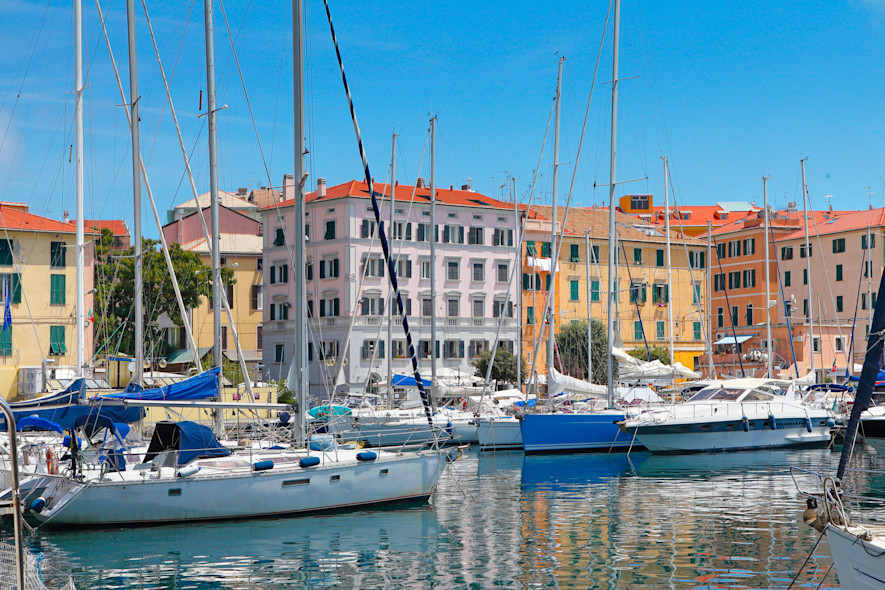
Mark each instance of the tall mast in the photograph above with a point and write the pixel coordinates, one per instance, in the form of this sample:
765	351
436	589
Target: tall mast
433	236
213	192
136	196
78	117
709	331
299	358
869	273
392	299
517	245
670	326
768	350
810	315
612	226
589	320
554	255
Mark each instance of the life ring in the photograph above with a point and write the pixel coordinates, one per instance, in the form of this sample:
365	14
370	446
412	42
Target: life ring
464	403
51	462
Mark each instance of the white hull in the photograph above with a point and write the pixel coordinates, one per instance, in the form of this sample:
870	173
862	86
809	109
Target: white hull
732	441
289	489
499	433
860	564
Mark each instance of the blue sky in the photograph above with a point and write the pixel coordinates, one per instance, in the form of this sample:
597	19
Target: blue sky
727	91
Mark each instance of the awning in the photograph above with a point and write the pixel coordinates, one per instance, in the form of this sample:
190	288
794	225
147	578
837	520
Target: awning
249	356
732	340
186	355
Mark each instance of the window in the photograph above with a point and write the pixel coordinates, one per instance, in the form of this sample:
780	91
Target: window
530	315
734	315
474	236
279	237
502	272
697	259
574	253
734	280
310	308
659	257
223	338
545	249
499	308
786	278
637	292
787	253
838	245
402	231
502	237
637	256
805	307
373	266
479	271
56	289
367	229
372	349
696	330
734	248
749	316
720	317
398	349
423	232
804	276
750	278
6	252
863	300
749	246
802	250
594	290
479	308
57	340
788	308
637	330
660	331
308	271
660	293
330	230
452	270
639	202
330	306
720	251
838	344
574	286
404	268
477	347
372	304
426	307
279	351
530	248
453	234
229	291
594	253
57	254
838	303
258	339
453	349
815	344
279	273
453	307
696	293
719	282
868	268
838	272
863	242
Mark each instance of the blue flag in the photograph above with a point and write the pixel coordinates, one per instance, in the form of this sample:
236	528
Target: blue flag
7	313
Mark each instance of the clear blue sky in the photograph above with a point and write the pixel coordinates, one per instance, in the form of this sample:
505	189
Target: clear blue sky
728	91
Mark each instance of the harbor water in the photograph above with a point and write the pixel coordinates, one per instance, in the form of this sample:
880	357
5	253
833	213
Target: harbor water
511	521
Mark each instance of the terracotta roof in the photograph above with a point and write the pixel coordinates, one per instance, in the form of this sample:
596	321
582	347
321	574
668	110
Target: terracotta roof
446	196
701	214
117	226
229	244
779	220
581	219
229	200
850	221
14	219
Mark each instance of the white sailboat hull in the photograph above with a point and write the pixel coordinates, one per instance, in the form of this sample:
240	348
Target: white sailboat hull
860	564
279	491
499	433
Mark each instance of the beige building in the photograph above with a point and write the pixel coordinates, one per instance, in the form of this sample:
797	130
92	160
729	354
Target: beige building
38	270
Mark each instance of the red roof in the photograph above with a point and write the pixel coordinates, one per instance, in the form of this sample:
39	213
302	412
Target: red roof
779	220
117	226
446	196
699	215
15	219
851	221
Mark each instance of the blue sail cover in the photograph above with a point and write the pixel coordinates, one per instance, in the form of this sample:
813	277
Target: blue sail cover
872	364
408	381
202	386
34	423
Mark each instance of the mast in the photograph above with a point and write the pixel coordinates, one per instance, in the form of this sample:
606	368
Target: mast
670	325
612	226
299	358
810	315
710	299
392	299
589	321
517	244
78	117
213	193
554	255
768	350
433	237
136	196
869	273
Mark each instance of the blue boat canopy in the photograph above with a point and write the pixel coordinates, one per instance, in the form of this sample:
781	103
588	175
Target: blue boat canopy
202	386
407	381
37	423
191	440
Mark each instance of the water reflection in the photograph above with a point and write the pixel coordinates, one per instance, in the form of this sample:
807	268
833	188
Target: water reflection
503	519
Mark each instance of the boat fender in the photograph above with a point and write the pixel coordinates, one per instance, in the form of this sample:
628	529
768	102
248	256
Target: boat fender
449	427
66	442
366	456
262	465
746	424
831	423
188	470
38	505
772	422
51	462
808	424
309	462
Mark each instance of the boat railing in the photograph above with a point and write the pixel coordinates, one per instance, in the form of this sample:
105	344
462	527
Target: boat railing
717	411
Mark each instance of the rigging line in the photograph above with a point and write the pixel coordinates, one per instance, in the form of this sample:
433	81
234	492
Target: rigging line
635	297
731	315
384	245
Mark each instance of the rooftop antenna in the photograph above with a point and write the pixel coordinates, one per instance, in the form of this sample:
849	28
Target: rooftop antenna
870	196
829	201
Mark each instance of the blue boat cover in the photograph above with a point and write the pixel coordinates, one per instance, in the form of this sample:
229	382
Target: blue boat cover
65	414
407	381
93	423
191	440
37	423
202	386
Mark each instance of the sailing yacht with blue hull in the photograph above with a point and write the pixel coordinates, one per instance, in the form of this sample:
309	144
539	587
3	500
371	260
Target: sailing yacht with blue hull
568	433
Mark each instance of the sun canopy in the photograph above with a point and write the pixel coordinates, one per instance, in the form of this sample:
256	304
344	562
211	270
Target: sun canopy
191	440
731	340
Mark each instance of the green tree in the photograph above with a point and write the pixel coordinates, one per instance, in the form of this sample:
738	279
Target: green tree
115	292
571	344
504	368
660	353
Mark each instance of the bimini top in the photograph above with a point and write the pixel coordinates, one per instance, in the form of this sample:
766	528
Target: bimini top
737	390
191	440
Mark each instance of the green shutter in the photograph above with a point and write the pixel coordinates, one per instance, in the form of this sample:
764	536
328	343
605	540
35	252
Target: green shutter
697	330
57	253
545	249
57	340
16	295
575	255
594	291
548	282
530	248
660	257
6	252
574	290
530	315
637	330
57	289
6	342
839	270
526	281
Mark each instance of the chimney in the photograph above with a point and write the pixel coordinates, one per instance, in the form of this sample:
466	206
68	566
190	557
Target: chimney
468	186
321	187
288	191
66	216
242	191
420	182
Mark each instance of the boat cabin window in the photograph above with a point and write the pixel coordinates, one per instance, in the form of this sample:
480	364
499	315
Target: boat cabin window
757	396
717	394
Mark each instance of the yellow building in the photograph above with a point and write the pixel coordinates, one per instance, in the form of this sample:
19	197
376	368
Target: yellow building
645	295
38	270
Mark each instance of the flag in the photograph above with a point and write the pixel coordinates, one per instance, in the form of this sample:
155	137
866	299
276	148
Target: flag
833	372
90	317
7	313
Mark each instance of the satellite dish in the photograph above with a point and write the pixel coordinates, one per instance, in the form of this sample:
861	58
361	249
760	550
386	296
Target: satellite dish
162	363
131	366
